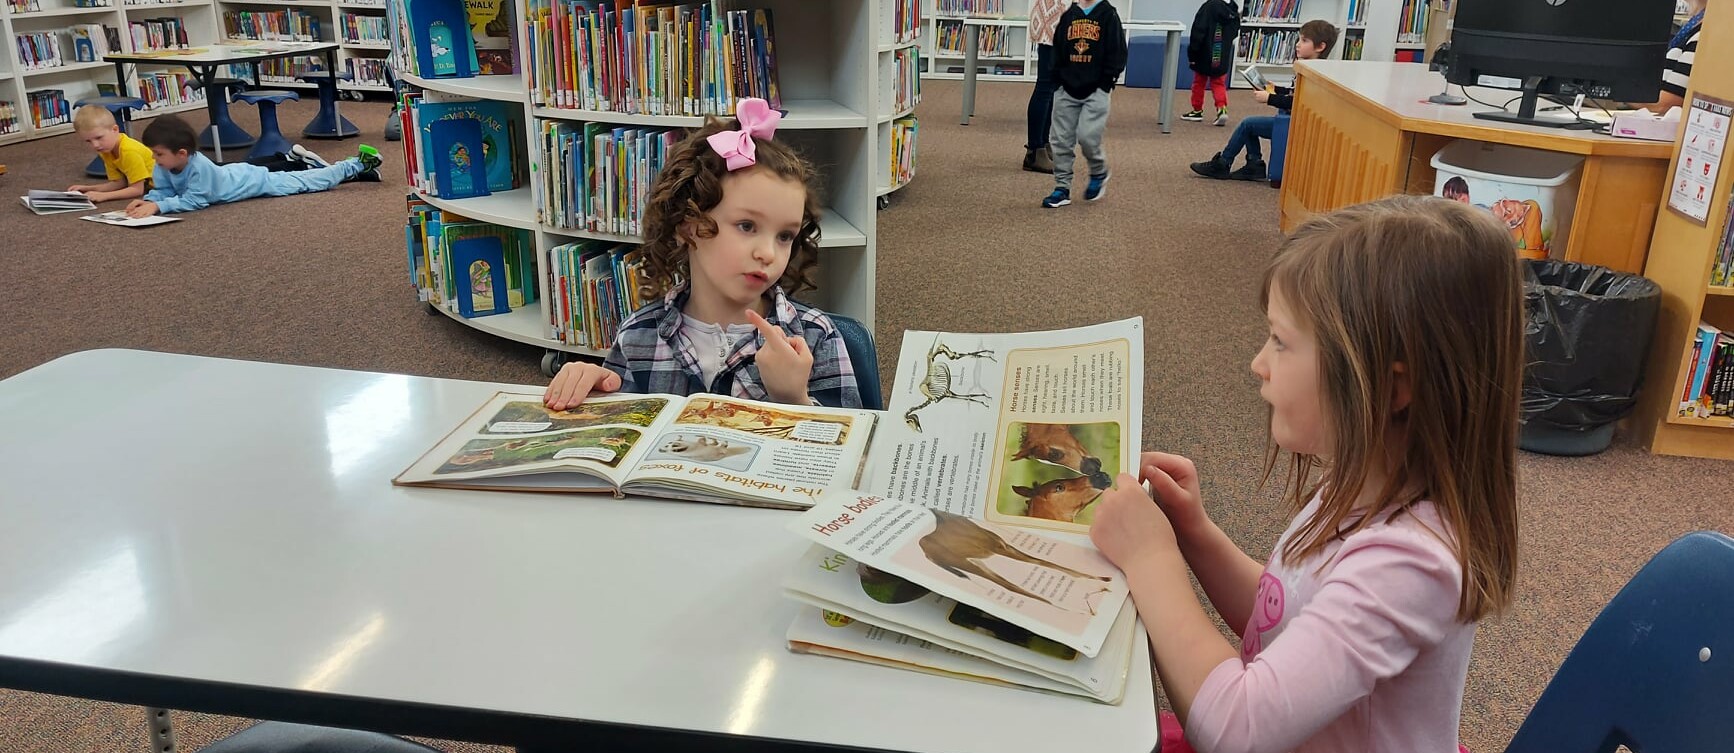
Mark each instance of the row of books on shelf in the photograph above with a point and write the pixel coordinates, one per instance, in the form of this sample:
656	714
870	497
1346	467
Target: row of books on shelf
434	42
1354	48
592	286
365	29
992	40
48	107
1710	374
1412	22
39	50
467	267
905	19
1275	11
685	60
977	8
9	123
1358	12
597	177
277	70
1267	46
906	86
366	71
501	132
159	34
90	42
288	24
163	89
1722	267
904	131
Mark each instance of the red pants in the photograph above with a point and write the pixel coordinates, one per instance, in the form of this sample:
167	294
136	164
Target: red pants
1218	90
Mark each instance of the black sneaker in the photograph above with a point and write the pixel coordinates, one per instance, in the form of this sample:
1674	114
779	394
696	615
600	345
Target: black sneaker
1250	171
1215	167
1196	116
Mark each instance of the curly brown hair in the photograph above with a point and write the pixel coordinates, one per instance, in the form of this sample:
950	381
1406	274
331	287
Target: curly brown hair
690	185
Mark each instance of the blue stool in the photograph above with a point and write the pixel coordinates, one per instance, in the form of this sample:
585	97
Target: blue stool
1278	150
325	125
121	108
271	139
217	105
1145	55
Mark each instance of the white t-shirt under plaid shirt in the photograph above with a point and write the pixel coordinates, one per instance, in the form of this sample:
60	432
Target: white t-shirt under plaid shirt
1045	18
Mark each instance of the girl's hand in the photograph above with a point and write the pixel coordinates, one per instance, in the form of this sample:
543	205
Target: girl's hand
785	362
1262	96
1174	479
1129	528
575	382
81	188
139	208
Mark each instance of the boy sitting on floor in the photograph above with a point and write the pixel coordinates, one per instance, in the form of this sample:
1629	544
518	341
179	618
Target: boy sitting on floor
1316	40
127	161
188	181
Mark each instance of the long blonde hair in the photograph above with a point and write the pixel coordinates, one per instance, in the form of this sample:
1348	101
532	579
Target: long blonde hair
1436	286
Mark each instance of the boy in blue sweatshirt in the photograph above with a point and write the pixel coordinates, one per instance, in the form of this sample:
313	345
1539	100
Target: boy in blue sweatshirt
187	181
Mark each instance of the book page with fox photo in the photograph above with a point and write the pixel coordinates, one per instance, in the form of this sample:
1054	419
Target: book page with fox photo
1024	429
1064	592
880	618
703	448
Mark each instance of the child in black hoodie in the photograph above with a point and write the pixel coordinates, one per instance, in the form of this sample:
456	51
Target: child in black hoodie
1210	53
1089	55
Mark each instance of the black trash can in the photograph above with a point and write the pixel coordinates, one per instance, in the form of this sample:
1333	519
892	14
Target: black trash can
1588	330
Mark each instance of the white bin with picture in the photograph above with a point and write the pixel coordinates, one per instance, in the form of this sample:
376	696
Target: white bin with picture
1533	192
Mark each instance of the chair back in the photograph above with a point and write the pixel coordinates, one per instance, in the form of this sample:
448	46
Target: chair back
1655	670
863	357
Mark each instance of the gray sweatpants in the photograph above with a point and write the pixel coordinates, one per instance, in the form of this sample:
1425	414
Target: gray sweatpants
1078	123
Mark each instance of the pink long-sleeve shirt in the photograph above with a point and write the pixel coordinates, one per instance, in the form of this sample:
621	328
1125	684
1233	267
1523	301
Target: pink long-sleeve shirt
1357	650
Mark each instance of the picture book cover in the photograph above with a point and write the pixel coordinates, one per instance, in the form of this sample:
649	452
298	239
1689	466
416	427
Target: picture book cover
502	134
444	47
494	35
457	163
481	266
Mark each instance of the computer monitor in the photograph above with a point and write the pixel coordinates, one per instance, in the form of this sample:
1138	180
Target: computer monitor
1602	49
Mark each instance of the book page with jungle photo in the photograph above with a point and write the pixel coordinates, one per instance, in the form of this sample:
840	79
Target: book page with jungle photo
1024	429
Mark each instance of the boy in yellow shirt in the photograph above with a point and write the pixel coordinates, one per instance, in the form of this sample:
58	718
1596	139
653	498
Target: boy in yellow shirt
128	162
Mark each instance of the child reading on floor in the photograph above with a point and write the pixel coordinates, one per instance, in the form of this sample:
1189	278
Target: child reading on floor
187	181
127	162
1393	381
1316	39
731	232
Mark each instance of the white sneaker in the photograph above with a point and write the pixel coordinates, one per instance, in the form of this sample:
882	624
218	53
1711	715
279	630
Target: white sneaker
306	155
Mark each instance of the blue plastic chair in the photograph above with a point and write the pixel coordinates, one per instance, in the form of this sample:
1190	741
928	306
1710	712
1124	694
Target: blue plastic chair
282	737
326	124
1145	54
1655	670
271	140
1278	148
121	108
217	95
863	357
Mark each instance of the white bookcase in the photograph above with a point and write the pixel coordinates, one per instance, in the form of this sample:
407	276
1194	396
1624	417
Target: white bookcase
832	58
80	80
1014	60
332	15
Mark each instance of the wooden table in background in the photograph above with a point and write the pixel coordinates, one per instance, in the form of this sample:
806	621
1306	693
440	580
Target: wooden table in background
1363	130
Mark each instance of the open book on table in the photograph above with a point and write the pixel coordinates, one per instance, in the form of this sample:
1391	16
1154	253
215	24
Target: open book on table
1001	432
705	448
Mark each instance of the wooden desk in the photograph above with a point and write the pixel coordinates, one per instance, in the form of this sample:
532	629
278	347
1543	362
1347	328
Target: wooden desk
223	536
1363	130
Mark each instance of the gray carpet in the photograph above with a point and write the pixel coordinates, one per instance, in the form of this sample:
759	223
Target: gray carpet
319	280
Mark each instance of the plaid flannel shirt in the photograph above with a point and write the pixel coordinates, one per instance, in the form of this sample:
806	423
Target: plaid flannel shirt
653	354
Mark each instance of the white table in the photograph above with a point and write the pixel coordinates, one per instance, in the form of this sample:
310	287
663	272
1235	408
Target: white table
222	536
1164	118
203	62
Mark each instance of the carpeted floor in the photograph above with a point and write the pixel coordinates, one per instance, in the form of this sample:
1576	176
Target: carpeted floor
319	280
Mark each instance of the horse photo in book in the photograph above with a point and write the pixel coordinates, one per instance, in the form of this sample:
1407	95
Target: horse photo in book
963	548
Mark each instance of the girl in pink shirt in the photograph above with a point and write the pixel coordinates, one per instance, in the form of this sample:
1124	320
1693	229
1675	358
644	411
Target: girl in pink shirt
1392	371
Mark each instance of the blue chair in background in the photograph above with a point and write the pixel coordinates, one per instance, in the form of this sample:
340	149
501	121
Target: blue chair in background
271	140
863	357
327	124
1145	54
1278	148
121	108
1655	670
234	136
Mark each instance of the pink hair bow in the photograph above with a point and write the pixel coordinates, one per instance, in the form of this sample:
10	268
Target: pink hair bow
757	120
